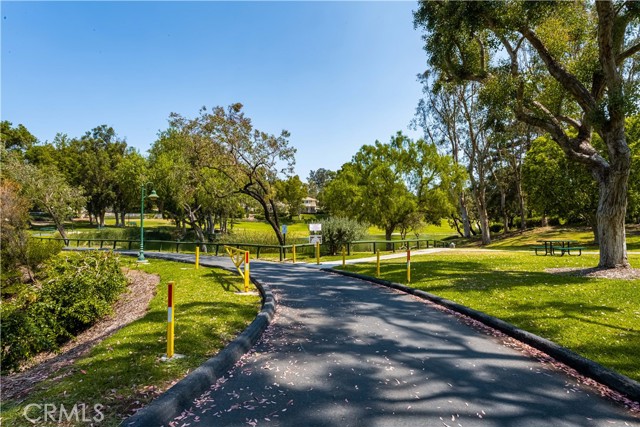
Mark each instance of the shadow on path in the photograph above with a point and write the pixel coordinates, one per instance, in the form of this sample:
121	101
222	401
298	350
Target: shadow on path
343	352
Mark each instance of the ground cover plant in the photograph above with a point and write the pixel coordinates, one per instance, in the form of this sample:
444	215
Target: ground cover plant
124	372
595	317
73	291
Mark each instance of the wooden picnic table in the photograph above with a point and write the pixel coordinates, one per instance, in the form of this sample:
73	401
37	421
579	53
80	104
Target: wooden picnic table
550	246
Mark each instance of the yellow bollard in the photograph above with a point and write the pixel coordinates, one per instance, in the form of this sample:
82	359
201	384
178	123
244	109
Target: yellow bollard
378	263
246	271
170	318
293	251
197	257
317	253
344	259
408	264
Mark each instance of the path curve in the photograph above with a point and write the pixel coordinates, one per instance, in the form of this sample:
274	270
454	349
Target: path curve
344	352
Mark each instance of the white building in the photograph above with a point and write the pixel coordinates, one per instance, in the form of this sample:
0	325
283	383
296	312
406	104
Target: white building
310	205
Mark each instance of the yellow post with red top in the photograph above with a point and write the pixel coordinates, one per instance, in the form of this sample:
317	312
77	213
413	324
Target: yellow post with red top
170	319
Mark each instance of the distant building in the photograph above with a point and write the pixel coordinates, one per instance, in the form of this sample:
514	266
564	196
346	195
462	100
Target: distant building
309	205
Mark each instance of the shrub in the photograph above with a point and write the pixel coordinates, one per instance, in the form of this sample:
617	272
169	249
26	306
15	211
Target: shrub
38	251
337	232
77	290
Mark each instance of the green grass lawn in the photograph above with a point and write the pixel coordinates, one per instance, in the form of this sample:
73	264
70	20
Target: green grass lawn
125	371
597	318
583	235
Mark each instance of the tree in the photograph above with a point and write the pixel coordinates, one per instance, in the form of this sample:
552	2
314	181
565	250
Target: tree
429	176
371	189
318	179
129	175
48	190
565	74
205	164
558	187
16	138
13	236
291	191
180	175
439	116
251	161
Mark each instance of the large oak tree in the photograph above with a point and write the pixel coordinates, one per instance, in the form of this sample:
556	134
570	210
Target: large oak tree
563	67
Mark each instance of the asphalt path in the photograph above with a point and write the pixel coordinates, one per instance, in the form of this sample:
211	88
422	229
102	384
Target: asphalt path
344	352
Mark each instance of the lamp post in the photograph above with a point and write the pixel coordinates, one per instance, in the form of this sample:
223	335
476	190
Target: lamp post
153	197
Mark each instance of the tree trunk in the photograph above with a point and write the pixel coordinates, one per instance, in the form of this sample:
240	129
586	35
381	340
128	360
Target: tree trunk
503	208
523	217
484	225
612	208
388	233
210	224
457	226
195	226
478	191
100	219
464	214
544	221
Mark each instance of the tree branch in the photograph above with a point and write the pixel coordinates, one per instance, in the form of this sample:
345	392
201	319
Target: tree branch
566	79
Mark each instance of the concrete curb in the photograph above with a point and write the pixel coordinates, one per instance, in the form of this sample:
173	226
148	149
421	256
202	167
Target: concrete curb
586	367
180	397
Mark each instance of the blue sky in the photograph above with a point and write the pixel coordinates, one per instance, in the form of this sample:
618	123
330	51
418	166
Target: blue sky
337	75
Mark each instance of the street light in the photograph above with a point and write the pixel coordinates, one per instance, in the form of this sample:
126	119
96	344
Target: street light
153	197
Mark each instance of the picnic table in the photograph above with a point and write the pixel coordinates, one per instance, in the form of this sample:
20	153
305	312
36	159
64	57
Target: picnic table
550	247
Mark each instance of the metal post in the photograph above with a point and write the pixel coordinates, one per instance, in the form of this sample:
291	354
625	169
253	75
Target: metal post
293	252
246	271
141	253
408	265
197	257
170	318
378	263
344	259
317	253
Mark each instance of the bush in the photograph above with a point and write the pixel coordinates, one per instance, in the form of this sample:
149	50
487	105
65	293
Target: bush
337	232
77	290
495	228
38	251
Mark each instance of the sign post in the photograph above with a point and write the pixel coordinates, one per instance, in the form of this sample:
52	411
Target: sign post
315	237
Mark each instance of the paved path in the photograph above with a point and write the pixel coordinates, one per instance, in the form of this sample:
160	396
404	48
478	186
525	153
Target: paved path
343	352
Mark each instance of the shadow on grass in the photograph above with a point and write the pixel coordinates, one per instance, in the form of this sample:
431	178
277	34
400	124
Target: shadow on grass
227	280
567	309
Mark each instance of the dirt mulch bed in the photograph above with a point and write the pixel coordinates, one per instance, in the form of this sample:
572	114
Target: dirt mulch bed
131	306
603	273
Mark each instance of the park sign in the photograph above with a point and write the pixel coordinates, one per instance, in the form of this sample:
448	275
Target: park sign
315	238
284	229
315	227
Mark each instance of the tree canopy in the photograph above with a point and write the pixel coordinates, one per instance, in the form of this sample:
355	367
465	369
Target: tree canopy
567	68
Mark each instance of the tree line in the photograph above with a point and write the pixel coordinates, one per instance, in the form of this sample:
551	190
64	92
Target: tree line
528	108
567	70
206	170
